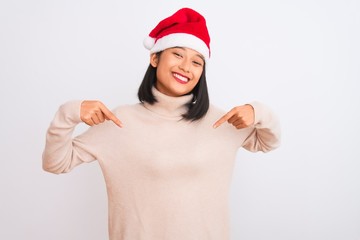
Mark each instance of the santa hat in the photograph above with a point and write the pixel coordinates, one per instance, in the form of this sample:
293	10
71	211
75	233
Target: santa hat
185	28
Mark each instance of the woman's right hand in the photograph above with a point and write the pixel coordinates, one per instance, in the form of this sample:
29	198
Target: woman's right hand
95	112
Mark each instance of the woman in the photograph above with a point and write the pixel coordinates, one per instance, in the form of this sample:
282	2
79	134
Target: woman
168	163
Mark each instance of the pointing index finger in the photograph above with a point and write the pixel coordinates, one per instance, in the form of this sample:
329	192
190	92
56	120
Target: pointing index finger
223	119
110	116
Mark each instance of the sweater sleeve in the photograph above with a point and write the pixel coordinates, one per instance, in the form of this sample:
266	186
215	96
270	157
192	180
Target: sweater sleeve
265	134
62	153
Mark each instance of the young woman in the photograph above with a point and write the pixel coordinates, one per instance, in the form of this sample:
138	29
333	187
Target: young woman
168	163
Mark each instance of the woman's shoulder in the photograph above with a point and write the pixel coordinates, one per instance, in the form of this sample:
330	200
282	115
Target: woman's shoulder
127	109
215	111
213	114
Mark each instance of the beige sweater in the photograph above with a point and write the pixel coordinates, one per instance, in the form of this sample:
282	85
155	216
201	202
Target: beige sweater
166	178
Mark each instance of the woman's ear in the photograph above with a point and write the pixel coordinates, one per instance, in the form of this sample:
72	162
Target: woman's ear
154	59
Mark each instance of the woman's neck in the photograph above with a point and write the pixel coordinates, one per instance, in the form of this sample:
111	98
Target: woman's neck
168	106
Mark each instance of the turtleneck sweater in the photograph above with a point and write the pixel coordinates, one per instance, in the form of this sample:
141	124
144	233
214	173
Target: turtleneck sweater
167	178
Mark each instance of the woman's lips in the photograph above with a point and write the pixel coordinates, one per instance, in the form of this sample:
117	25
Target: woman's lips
180	78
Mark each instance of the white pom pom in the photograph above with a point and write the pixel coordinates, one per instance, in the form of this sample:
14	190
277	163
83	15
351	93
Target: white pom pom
149	42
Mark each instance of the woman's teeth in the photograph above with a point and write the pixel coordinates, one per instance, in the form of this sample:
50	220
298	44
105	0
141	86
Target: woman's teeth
181	78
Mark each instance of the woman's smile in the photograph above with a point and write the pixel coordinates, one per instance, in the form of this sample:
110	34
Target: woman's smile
180	78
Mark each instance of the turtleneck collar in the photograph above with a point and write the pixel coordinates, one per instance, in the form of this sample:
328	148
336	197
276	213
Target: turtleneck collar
167	106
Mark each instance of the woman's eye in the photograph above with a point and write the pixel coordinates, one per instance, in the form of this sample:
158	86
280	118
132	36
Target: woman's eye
177	54
197	63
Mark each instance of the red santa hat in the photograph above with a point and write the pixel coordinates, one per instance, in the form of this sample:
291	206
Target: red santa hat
185	28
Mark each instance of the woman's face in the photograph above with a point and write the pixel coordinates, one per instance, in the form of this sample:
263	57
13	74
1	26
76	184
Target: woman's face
178	70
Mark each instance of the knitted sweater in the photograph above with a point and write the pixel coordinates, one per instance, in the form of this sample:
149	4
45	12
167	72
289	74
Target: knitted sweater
166	178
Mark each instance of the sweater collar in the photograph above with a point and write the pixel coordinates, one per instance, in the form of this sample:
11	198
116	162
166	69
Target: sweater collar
167	106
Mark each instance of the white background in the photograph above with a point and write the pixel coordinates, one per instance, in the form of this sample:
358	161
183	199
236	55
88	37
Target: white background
300	57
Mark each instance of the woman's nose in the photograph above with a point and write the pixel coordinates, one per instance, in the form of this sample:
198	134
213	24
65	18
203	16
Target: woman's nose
185	65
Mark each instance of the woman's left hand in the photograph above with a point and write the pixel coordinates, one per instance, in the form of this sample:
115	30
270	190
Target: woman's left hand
240	116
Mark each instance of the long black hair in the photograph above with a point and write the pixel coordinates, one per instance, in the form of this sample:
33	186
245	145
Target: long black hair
197	108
